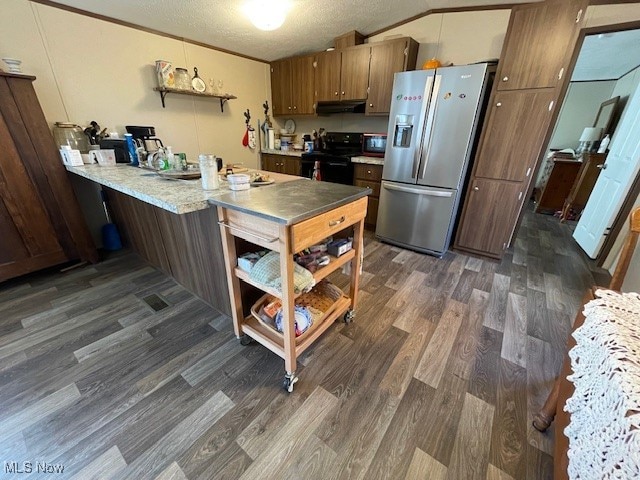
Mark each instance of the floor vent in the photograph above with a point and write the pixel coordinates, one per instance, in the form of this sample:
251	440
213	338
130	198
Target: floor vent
155	302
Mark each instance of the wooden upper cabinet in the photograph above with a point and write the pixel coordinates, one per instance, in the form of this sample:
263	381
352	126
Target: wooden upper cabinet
327	79
489	216
292	86
512	138
354	74
302	85
539	44
281	87
386	59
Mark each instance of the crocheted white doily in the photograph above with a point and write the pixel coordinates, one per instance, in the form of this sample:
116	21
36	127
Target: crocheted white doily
604	432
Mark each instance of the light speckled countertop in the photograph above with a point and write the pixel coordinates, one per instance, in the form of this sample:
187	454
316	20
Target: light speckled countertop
368	160
288	153
176	196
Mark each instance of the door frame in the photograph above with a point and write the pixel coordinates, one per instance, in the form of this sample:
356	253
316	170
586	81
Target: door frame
562	88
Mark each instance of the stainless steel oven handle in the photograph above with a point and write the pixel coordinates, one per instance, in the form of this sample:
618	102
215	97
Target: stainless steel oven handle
264	239
431	193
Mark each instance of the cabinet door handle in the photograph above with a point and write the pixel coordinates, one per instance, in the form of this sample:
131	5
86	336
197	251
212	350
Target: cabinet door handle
333	223
343	93
476	189
371	104
499	104
289	108
505	79
295	108
336	93
368	172
602	166
231	227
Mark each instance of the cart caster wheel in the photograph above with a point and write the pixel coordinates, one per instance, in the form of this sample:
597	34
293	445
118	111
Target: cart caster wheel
245	340
289	381
349	316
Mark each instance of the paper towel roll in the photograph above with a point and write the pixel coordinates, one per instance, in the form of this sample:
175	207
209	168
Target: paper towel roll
271	139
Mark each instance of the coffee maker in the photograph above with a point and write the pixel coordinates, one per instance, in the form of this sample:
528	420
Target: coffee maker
145	137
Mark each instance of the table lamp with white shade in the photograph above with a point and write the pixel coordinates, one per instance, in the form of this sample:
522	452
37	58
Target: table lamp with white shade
590	135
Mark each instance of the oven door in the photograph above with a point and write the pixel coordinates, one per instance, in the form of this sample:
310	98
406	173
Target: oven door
332	169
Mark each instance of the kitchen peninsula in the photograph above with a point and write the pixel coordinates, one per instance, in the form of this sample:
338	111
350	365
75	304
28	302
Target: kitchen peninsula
172	225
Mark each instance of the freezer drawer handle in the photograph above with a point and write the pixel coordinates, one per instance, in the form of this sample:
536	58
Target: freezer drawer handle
264	239
333	223
431	193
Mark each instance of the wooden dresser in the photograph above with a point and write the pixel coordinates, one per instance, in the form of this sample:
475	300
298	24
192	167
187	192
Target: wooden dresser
583	184
558	186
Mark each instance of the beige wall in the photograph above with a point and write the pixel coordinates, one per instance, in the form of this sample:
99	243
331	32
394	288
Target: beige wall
459	38
88	69
598	15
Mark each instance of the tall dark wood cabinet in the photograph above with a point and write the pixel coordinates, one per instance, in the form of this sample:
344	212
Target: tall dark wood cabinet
41	224
524	101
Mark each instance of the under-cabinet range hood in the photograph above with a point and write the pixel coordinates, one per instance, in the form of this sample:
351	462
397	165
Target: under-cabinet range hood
327	108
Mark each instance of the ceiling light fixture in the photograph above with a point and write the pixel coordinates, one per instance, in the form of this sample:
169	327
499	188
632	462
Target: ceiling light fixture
267	14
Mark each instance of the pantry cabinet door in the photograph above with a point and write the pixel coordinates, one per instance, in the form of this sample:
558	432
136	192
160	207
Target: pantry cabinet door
489	215
511	146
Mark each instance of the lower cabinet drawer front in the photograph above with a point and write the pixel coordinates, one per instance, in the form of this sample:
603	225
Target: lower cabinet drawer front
310	232
363	171
372	212
374	186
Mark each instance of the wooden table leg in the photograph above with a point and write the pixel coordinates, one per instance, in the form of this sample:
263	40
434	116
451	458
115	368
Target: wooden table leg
231	260
547	413
356	263
288	316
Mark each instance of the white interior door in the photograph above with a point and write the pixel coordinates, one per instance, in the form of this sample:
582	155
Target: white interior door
614	182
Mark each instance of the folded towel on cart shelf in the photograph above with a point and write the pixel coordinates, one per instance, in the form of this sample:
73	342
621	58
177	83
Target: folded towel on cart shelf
267	272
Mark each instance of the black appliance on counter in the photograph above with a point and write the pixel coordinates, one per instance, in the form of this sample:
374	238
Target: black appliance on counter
119	146
335	158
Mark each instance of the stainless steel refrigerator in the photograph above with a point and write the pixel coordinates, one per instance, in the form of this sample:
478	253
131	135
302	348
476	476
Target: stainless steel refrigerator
431	138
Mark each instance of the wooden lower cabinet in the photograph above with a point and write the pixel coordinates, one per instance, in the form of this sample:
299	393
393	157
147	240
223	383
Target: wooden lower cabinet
489	216
369	176
41	224
281	164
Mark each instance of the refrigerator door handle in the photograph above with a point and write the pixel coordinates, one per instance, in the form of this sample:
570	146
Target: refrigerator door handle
426	142
418	149
431	193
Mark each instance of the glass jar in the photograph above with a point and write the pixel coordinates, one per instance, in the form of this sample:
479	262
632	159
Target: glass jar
182	79
71	134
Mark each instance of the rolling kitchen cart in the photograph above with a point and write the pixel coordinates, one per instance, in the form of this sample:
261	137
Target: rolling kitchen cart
307	214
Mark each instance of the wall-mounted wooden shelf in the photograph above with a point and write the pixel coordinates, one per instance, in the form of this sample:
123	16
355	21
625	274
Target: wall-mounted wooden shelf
164	91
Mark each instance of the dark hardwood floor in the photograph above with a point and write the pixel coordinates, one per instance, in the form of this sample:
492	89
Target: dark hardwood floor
115	371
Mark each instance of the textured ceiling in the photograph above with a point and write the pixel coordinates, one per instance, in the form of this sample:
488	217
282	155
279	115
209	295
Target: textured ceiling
608	56
310	26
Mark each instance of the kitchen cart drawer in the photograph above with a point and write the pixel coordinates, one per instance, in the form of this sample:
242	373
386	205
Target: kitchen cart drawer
253	229
367	172
310	232
374	186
